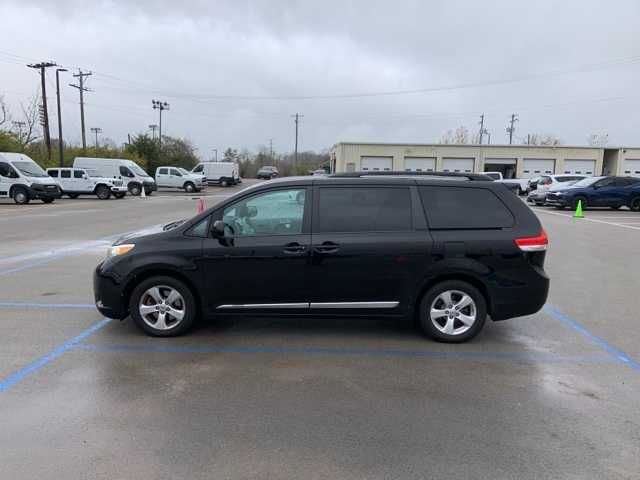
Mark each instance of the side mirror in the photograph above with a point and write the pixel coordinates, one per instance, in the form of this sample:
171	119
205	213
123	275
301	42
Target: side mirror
218	229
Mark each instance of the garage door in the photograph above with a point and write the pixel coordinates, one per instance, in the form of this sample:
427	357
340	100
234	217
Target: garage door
458	165
579	167
419	164
631	167
534	167
376	164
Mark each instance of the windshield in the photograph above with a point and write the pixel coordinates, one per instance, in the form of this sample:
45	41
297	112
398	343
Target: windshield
585	182
137	170
183	171
30	169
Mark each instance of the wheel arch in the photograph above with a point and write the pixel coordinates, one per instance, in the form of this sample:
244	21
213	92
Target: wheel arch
471	279
160	271
13	187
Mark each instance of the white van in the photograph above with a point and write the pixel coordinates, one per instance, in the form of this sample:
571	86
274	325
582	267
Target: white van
219	173
176	177
130	172
78	181
23	180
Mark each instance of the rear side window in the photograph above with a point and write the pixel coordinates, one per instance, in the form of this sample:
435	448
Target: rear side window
65	173
464	208
53	173
369	209
78	173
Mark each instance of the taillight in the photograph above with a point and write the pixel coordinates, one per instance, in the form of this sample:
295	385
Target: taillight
538	243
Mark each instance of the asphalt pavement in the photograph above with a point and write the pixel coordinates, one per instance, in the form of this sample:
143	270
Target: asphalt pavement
552	395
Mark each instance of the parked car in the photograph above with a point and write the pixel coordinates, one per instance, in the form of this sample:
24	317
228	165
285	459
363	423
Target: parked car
224	174
607	191
175	177
551	183
449	247
532	184
77	181
132	175
23	180
267	172
517	185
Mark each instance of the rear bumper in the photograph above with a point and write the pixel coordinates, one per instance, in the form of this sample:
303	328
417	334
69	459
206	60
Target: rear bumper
108	296
118	189
524	299
556	201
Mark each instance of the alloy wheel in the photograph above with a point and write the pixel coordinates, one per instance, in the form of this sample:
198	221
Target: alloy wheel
453	312
162	307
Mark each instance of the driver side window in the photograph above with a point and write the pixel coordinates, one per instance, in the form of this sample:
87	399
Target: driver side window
125	172
279	212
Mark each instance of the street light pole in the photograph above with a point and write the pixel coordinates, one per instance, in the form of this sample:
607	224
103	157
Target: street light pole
60	142
215	152
159	105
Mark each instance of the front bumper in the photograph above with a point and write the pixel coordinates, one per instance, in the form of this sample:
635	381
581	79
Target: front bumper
556	201
150	186
44	191
108	296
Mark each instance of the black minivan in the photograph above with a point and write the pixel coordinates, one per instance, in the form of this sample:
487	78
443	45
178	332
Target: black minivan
449	248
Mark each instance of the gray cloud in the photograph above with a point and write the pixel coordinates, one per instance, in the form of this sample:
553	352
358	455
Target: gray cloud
192	52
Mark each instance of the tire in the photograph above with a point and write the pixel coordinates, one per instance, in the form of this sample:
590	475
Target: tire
224	183
634	204
574	203
539	204
135	189
189	187
103	192
435	327
20	195
142	296
48	200
72	195
119	195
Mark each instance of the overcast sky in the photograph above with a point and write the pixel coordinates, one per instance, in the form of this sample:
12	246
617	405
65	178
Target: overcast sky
388	71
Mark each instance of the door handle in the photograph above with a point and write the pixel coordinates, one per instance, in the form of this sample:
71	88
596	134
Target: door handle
294	248
326	248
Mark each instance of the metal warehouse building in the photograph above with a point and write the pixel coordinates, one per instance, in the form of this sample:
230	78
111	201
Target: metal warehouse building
514	161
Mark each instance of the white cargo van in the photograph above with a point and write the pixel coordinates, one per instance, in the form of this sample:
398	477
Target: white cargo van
219	173
176	177
23	180
134	177
78	181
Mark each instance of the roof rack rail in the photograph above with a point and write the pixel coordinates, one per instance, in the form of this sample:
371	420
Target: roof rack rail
463	176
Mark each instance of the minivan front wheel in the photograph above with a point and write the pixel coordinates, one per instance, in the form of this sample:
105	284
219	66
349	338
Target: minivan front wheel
163	307
452	311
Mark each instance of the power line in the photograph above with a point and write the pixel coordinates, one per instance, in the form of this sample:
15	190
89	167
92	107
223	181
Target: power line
81	88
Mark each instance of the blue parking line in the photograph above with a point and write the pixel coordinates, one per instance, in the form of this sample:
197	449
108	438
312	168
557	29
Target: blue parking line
311	350
21	374
616	353
47	305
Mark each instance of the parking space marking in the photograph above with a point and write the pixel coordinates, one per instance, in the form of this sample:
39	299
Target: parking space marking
37	364
586	219
368	352
46	305
616	353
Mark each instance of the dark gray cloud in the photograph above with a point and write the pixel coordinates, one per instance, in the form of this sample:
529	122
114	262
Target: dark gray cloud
193	53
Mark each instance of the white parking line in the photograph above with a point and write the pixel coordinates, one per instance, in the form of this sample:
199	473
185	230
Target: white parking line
587	219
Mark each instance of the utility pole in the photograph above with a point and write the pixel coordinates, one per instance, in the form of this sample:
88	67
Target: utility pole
511	129
297	117
45	114
153	128
215	152
271	150
96	130
81	88
481	127
159	105
60	142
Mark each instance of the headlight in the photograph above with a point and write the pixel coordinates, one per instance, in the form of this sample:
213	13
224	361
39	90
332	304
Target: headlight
118	250
559	193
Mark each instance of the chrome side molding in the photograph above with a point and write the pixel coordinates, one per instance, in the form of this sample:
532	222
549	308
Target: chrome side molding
326	305
305	305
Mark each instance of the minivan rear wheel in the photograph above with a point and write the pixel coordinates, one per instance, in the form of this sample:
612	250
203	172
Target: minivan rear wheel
452	311
163	306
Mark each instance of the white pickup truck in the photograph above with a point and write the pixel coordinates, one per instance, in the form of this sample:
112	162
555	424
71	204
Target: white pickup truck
517	185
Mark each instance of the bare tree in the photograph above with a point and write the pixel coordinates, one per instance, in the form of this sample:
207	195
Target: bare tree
459	137
598	140
3	111
30	115
542	139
